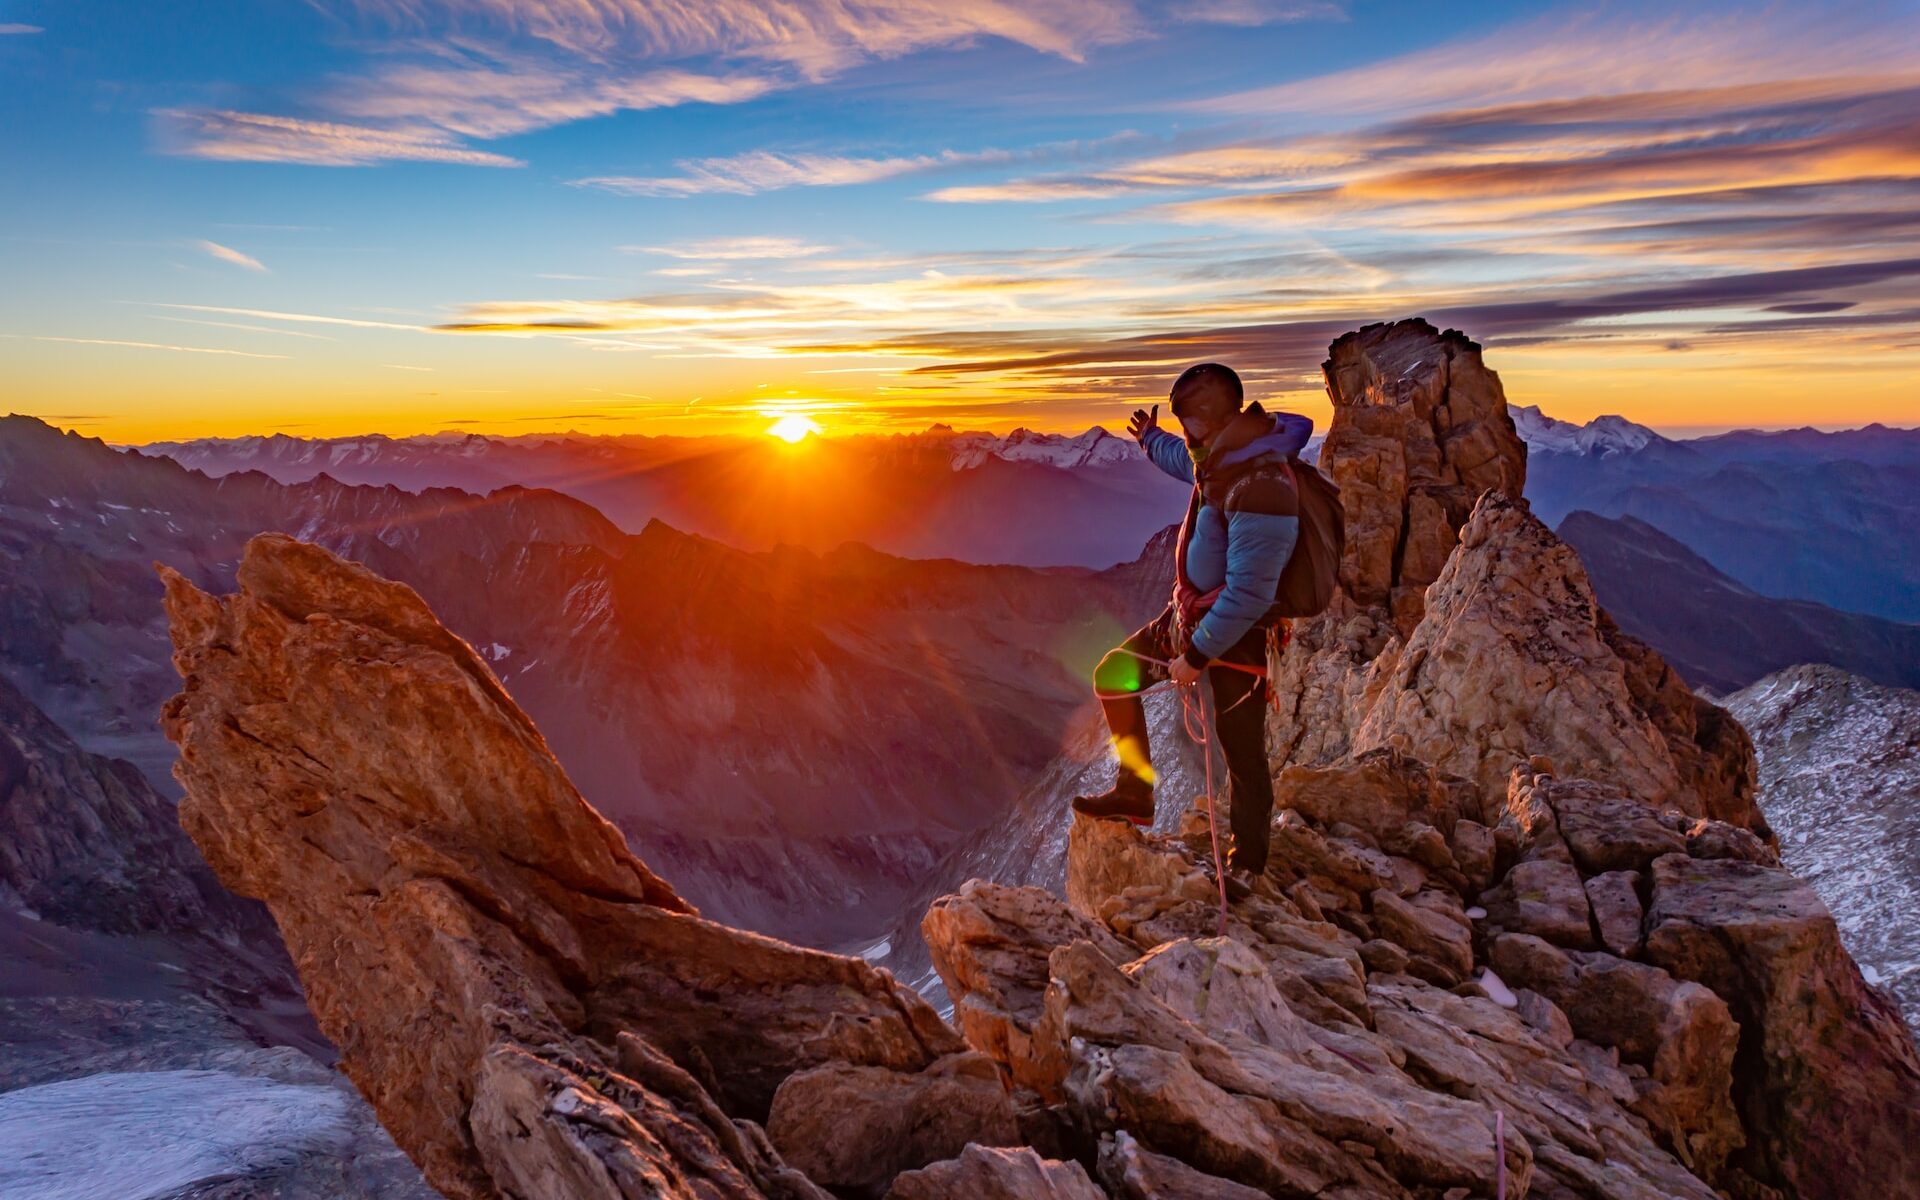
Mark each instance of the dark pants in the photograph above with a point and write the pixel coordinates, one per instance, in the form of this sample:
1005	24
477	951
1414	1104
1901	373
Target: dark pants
1240	723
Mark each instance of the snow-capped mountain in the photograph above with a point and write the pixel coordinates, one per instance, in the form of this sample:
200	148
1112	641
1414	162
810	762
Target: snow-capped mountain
1093	449
1840	783
1601	436
1034	499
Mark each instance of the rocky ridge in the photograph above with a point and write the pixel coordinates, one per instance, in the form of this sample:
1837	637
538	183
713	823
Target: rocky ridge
1524	932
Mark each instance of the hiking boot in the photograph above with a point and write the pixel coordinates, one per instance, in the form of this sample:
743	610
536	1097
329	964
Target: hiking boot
1130	799
1239	882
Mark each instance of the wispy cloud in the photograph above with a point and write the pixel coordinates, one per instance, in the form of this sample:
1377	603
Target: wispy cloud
729	249
15	29
766	171
80	341
304	318
228	254
1605	52
446	71
259	137
321	337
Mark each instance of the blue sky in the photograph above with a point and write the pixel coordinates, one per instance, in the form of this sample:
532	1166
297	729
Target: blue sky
648	216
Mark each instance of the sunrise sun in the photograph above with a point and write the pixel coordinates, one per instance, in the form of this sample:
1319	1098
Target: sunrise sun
792	427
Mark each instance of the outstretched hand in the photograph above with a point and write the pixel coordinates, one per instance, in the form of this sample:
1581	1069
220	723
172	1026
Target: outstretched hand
1143	423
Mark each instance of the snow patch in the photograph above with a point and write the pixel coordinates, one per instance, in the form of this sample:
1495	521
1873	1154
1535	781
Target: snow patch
142	1135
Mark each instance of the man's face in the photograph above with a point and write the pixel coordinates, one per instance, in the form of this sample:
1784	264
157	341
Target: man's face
1203	409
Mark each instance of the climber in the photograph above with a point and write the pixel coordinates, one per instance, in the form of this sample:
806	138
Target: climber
1242	525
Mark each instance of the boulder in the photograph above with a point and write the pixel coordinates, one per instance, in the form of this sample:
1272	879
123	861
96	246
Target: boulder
903	1121
1605	828
1131	1172
469	932
1431	927
1380	792
1543	897
990	945
1509	662
1421	429
1614	898
1828	1079
1680	1032
1464	633
982	1173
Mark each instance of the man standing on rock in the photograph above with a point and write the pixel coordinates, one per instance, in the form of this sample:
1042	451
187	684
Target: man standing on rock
1241	529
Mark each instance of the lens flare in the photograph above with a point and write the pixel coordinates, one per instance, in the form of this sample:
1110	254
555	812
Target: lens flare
793	427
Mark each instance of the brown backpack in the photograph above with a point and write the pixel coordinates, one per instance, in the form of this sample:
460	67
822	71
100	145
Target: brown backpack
1313	571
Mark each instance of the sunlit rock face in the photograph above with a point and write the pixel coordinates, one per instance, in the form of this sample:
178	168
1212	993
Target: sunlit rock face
530	1010
1465	632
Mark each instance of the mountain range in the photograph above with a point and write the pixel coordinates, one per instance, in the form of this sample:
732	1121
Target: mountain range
756	719
1088	500
1719	633
1795	514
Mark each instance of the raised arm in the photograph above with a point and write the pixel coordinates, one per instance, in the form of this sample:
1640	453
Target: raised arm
1169	453
1166	451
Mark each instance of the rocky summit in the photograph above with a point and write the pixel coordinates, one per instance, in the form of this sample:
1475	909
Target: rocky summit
1523	931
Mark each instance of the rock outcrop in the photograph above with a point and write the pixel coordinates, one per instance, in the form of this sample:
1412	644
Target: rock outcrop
529	1009
1465	632
1421	430
1332	1044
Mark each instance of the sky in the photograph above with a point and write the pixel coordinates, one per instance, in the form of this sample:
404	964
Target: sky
329	217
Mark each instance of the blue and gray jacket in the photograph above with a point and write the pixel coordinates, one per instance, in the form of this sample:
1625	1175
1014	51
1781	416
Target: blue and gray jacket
1240	538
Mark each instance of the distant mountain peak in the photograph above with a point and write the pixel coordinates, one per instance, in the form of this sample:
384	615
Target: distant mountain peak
1601	436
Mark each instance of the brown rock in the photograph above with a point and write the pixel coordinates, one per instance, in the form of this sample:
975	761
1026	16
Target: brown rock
1473	850
1420	437
1259	1115
980	1173
1679	1031
1107	858
1615	900
1711	751
1543	897
1707	838
1421	429
1133	1173
1829	1081
1527	670
903	1121
1382	792
1337	867
1223	989
359	768
990	945
1605	828
1434	928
